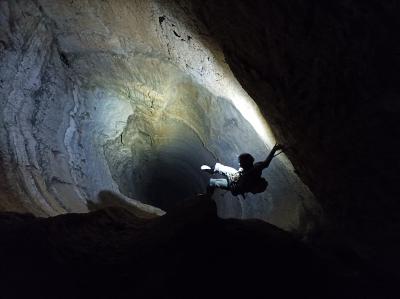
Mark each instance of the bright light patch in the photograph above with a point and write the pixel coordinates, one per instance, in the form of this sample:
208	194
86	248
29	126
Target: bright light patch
204	62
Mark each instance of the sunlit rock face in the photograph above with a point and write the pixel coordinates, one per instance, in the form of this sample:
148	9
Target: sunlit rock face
131	97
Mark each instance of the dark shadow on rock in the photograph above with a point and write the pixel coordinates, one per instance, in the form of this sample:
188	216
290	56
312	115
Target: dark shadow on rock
108	198
188	253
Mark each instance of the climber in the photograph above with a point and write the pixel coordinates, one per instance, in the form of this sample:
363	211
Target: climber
246	179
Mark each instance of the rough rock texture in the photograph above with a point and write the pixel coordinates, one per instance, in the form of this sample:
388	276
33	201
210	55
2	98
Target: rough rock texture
117	95
190	253
131	97
326	76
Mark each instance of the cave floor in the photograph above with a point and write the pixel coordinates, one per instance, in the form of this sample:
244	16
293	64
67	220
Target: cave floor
189	253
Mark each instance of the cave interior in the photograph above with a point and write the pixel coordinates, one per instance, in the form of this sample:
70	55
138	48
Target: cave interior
109	108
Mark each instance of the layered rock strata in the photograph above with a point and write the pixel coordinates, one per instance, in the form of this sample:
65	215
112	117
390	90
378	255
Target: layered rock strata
131	97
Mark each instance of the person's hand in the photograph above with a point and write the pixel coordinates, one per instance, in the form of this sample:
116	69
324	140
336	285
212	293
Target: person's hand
278	147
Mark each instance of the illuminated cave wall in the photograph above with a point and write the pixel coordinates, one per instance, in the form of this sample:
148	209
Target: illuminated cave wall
127	96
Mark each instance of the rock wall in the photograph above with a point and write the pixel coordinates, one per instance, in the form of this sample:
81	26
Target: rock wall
131	97
325	75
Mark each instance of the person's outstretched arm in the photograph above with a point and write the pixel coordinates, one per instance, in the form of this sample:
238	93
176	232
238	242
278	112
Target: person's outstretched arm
267	161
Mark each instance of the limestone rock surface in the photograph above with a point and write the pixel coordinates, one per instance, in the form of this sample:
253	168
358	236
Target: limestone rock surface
130	97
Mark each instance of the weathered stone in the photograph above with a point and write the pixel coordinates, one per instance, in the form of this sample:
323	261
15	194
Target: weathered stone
108	96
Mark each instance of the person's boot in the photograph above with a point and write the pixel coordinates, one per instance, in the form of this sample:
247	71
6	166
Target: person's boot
207	169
